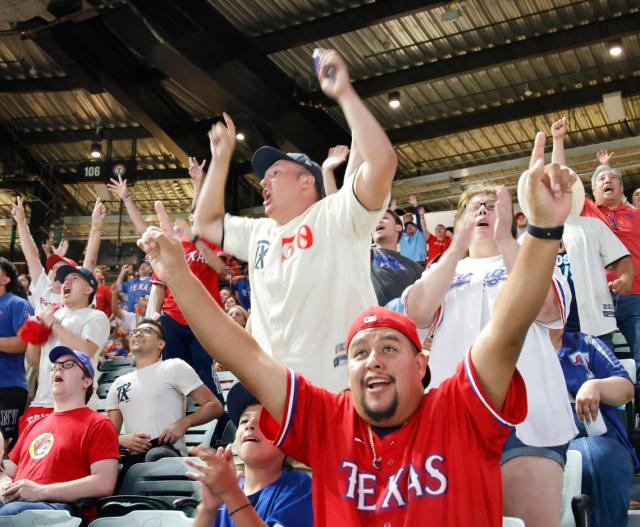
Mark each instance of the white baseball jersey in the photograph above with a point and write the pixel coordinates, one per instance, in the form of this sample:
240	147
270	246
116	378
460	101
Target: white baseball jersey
591	246
466	310
309	279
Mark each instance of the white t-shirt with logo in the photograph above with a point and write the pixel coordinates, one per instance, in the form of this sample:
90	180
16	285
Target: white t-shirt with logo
309	279
154	397
467	309
86	322
591	246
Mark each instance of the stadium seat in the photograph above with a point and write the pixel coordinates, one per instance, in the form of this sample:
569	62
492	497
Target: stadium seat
512	522
111	375
229	434
40	518
227	380
192	406
629	408
165	477
114	364
100	405
575	505
200	434
160	485
620	346
146	519
103	390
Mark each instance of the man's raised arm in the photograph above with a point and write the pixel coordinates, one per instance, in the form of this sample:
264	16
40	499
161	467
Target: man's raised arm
29	248
119	188
497	348
378	156
209	214
93	244
223	339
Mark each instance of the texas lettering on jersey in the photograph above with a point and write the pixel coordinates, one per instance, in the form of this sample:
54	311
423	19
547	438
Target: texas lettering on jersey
491	278
408	483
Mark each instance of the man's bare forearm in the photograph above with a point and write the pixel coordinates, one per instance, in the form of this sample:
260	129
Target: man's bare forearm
12	345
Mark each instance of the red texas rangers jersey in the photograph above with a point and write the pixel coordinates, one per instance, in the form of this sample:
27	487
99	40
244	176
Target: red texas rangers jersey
442	468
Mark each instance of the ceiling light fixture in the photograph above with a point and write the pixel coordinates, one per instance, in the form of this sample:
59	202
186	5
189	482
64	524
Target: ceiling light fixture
394	99
96	149
615	48
527	91
96	144
240	136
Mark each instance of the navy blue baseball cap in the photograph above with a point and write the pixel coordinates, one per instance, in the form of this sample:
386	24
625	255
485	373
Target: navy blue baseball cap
81	357
238	399
65	270
266	156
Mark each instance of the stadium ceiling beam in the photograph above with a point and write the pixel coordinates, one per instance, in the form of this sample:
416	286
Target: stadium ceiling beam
39	84
530	48
72	136
519	109
244	83
339	23
100	62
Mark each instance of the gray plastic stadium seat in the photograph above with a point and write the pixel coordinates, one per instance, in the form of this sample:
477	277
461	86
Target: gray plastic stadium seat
114	364
165	477
112	375
40	518
512	522
103	390
146	519
200	434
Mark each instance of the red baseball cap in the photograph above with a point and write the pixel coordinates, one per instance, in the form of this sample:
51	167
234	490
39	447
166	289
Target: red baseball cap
53	259
381	317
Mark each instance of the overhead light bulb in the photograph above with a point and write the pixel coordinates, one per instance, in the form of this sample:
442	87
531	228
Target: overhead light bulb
527	91
394	99
96	149
240	136
615	48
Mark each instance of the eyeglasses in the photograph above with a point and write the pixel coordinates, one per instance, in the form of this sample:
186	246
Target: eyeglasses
64	365
474	206
146	331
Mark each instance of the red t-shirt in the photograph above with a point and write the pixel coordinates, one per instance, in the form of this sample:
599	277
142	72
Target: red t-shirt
437	247
442	467
204	273
63	445
103	299
624	221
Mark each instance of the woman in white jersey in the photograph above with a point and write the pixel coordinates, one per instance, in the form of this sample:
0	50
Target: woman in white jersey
455	299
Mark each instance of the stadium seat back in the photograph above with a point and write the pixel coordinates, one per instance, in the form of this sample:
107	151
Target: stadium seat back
146	519
114	364
512	522
571	486
165	477
40	518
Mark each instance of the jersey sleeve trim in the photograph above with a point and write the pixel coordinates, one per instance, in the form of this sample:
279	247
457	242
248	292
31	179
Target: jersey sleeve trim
289	409
471	376
558	292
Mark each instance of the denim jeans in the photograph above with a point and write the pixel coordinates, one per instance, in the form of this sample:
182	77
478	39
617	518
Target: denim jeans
628	319
181	343
607	472
16	507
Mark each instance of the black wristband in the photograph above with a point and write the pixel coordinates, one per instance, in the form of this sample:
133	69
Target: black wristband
555	233
239	509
